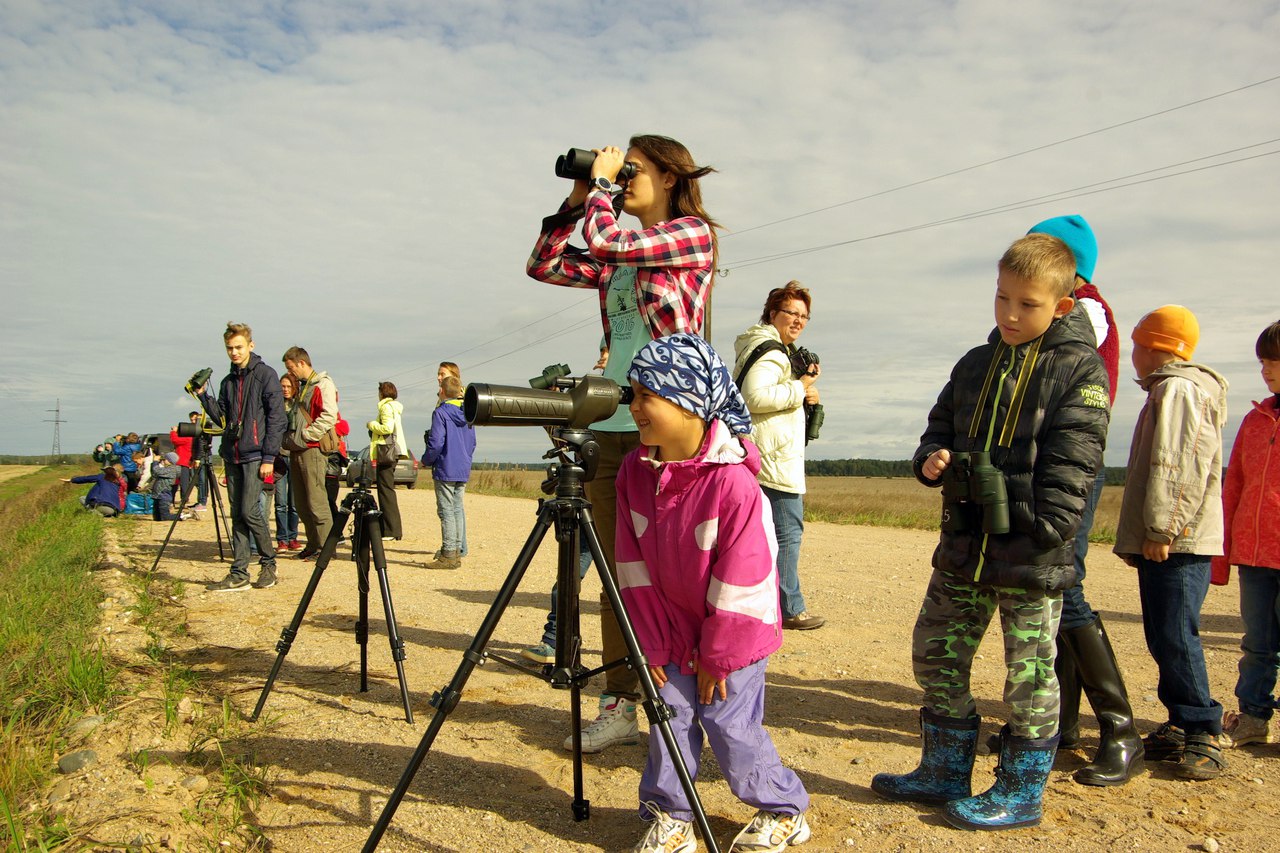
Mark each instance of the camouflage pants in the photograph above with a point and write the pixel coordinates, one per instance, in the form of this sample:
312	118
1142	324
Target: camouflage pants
952	620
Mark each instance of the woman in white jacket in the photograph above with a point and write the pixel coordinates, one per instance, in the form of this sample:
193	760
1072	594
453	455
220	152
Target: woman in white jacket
386	428
775	396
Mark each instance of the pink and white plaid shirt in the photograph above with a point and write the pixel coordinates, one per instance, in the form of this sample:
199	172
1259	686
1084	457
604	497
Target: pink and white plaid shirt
673	263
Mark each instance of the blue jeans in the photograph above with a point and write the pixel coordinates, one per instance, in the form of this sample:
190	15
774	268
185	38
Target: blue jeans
286	515
788	525
1076	612
584	563
453	521
1260	610
1172	593
244	499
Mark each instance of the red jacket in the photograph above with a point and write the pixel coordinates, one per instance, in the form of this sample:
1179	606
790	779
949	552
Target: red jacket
1251	494
182	447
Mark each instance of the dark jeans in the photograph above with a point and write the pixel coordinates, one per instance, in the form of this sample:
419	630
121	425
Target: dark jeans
162	508
244	498
1260	610
286	514
1076	612
1172	593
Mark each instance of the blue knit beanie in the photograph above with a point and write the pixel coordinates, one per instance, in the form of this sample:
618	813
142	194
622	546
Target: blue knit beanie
1078	236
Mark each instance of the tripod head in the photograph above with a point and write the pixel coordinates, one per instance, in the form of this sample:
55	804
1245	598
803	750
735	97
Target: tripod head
579	456
361	500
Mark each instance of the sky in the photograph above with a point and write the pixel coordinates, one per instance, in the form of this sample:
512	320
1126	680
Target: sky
366	180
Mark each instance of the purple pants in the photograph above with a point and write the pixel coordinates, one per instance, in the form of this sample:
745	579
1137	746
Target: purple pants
735	729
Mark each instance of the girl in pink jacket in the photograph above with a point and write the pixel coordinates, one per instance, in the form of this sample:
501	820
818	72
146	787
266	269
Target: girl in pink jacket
1250	507
696	556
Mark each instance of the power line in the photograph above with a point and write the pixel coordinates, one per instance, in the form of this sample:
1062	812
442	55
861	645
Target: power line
1001	159
1012	206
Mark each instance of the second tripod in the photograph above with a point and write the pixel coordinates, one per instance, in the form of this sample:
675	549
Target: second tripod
366	544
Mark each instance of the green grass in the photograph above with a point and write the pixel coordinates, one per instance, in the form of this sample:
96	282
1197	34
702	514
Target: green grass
51	671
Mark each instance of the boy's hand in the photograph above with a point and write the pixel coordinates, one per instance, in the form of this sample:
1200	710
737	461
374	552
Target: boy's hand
659	675
708	686
936	463
1156	552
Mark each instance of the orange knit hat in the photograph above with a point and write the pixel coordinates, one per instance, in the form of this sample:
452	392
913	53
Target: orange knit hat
1170	328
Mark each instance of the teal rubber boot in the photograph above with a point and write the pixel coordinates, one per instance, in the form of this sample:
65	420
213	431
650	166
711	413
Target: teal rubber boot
1016	797
946	763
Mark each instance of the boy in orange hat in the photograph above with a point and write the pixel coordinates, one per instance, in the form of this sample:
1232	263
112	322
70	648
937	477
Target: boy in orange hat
1171	526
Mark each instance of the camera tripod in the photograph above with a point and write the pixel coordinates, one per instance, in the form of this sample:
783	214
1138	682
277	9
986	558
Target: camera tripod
570	514
204	468
366	543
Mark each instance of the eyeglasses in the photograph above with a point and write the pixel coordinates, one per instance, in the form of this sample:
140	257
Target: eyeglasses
794	314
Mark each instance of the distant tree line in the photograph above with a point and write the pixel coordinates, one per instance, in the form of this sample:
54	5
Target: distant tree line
897	468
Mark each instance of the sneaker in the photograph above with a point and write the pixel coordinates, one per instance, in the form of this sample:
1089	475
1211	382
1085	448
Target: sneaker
266	578
1201	758
200	508
231	583
294	545
1243	729
1165	743
541	653
446	560
186	515
388	538
615	724
770	832
666	834
803	621
308	553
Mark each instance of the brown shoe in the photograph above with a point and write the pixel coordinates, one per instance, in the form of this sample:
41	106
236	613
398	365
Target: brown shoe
803	621
446	560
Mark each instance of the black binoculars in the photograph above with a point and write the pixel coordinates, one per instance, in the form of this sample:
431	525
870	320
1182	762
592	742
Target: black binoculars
576	165
974	495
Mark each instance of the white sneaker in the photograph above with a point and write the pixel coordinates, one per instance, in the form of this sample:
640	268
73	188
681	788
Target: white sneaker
771	832
616	723
666	834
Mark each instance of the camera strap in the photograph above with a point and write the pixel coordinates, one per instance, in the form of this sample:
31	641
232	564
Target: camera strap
756	354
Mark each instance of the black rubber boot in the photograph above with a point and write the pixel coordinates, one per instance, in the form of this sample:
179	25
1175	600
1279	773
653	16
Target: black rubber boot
1064	664
1120	751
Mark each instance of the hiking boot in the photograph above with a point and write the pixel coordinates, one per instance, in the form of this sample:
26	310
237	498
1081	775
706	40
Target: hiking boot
266	578
1201	758
1243	729
446	560
666	834
1165	743
541	653
615	724
771	832
231	583
803	621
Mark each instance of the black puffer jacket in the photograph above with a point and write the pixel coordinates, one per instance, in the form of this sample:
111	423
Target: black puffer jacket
1048	444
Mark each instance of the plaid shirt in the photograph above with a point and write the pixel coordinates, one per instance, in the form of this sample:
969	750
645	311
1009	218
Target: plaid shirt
673	261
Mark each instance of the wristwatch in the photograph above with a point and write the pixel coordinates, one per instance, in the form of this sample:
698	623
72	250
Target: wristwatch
602	183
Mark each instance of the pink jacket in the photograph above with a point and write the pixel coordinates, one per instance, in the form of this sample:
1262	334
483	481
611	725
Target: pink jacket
696	557
1251	494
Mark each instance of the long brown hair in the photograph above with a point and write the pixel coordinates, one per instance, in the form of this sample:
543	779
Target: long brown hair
686	194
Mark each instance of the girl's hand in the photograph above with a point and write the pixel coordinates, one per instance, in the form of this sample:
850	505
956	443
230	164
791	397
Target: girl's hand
936	464
708	686
608	163
659	675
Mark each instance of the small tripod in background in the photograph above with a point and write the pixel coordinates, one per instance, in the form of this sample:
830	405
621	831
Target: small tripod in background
366	543
204	468
569	513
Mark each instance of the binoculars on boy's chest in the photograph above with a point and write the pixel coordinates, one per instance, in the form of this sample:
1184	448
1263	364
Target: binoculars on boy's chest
974	496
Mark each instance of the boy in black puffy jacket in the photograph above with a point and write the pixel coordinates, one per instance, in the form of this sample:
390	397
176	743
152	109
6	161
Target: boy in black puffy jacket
1034	401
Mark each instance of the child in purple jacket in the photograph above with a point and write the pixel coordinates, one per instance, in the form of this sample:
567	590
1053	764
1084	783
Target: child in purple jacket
696	568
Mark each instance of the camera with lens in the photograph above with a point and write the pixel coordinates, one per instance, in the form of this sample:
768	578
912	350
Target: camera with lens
802	363
576	165
974	495
547	379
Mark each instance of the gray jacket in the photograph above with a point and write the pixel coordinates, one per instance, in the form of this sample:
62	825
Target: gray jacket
1173	489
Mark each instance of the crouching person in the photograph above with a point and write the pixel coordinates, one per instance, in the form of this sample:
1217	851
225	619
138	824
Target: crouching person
1015	441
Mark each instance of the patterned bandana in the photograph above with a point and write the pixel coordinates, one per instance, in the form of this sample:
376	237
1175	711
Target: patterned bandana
684	369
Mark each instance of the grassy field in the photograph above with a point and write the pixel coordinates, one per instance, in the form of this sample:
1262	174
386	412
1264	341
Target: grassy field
878	501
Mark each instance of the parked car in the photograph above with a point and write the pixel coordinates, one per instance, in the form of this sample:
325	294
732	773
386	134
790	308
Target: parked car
406	469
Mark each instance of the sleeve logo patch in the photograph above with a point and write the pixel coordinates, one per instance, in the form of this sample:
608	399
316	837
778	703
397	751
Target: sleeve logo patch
1095	396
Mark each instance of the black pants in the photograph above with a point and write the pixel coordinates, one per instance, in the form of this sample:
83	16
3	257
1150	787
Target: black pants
386	479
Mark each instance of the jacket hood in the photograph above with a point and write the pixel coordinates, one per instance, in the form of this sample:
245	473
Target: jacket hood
1210	381
1074	327
452	409
753	337
394	405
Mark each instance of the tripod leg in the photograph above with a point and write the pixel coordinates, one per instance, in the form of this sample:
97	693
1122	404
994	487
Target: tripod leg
219	511
360	546
654	707
373	533
444	702
291	630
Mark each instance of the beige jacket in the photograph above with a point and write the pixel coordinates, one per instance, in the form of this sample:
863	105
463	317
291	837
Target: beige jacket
776	403
1173	489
